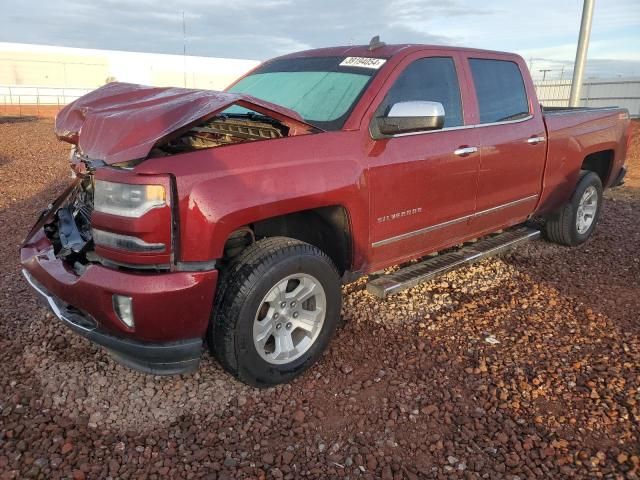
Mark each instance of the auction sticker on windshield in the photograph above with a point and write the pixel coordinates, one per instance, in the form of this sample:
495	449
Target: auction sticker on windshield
364	62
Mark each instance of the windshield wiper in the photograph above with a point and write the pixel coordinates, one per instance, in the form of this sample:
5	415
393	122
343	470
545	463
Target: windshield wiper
249	115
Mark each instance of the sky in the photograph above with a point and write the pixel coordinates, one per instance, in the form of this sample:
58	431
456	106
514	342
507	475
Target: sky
544	32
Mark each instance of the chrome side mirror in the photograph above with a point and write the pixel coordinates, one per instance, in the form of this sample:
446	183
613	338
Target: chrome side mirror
409	117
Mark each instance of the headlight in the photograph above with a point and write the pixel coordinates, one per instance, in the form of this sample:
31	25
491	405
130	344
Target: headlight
127	200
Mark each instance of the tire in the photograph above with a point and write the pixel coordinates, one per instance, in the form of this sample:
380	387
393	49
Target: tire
563	227
249	306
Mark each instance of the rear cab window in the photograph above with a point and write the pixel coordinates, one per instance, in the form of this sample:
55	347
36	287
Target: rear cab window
431	79
500	90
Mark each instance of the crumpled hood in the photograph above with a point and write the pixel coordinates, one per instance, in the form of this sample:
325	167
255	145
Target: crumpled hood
123	121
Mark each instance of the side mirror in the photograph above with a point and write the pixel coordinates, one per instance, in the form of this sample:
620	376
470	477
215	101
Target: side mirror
414	116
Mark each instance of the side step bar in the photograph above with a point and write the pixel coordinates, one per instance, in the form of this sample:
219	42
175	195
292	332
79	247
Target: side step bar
431	268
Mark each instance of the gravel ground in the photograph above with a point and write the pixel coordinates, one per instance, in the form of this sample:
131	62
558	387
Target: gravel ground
526	366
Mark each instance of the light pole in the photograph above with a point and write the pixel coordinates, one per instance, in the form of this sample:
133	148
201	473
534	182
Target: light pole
581	53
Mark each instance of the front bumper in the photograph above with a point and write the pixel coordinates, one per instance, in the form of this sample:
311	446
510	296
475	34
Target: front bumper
171	310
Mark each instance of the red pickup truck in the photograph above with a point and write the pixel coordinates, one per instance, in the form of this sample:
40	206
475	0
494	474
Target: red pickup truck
232	218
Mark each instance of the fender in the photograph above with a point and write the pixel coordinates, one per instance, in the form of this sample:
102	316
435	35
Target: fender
225	188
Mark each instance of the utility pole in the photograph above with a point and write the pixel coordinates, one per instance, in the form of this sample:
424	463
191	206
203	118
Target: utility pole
581	53
544	73
184	50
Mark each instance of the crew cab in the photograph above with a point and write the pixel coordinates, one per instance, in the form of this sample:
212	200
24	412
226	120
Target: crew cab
232	218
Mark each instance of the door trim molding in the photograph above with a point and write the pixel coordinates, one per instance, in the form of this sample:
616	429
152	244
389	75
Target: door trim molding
461	127
448	223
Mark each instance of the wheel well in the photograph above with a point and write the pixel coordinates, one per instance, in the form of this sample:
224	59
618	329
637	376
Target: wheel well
600	163
326	228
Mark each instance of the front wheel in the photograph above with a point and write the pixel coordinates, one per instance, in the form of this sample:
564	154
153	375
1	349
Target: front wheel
575	222
277	308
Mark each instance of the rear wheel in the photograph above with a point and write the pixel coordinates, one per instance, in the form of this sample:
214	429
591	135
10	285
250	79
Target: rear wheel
575	222
275	312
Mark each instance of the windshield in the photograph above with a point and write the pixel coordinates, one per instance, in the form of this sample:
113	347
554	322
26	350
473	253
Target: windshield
320	89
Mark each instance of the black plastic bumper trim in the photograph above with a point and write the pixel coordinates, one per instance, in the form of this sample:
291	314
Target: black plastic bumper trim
197	266
168	358
619	181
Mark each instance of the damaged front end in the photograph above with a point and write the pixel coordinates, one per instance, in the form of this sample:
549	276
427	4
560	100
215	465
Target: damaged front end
114	129
122	122
70	229
66	223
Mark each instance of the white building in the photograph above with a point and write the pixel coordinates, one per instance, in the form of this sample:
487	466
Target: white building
50	66
49	75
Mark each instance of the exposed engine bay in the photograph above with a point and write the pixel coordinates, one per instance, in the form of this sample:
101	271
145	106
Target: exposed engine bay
70	229
225	129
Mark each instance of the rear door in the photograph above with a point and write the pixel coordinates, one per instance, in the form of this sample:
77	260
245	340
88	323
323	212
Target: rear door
511	137
422	192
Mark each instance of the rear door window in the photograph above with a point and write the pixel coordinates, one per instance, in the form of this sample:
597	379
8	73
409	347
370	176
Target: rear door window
500	90
431	79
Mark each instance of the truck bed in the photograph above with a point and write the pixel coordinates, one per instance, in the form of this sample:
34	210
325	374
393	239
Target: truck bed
575	134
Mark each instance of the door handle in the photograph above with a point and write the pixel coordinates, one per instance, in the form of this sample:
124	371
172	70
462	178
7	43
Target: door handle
462	151
535	140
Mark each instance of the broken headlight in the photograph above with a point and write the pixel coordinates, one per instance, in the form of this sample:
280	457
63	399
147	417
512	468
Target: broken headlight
127	200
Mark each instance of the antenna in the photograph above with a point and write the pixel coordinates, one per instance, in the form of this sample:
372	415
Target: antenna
184	50
376	43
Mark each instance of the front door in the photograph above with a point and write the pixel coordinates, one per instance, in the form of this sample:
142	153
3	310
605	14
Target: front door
422	185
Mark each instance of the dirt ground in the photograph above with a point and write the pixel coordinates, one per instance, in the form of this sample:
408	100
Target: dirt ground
527	366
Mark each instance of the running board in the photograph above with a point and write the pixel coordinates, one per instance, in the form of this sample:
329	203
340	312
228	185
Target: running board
433	267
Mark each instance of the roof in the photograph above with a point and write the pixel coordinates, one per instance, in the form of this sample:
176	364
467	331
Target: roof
386	51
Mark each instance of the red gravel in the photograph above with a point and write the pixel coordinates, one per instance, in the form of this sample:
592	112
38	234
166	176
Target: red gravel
414	387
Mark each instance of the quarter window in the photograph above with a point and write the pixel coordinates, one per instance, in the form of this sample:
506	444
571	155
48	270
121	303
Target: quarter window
429	79
500	90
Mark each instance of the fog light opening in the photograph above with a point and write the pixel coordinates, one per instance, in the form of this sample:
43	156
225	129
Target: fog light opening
123	306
